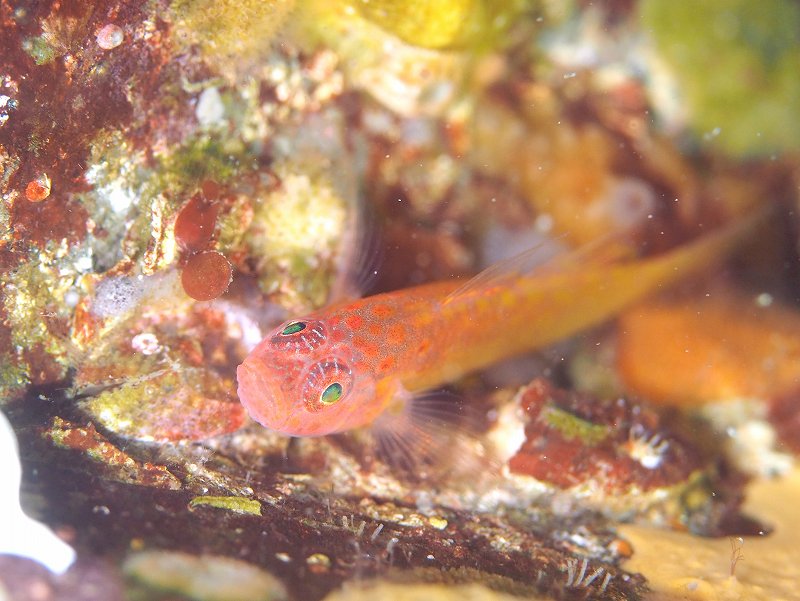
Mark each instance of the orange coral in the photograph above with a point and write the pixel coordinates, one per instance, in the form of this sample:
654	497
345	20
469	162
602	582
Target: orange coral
717	347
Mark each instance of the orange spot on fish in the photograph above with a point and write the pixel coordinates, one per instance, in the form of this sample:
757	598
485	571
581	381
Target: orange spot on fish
368	349
337	336
396	333
387	364
354	321
382	310
375	329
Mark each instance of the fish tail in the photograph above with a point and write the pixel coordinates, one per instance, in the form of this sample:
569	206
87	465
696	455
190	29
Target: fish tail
708	250
566	305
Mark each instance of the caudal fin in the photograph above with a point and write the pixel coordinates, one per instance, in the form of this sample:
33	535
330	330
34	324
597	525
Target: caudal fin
708	250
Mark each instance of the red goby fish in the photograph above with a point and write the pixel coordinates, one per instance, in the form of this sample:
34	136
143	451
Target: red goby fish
344	366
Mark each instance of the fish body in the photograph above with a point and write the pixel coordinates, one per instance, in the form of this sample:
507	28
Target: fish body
344	366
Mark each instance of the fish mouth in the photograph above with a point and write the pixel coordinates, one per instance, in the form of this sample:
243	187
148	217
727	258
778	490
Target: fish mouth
258	397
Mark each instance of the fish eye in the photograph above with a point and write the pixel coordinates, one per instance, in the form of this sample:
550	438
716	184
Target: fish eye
293	328
326	383
331	394
299	336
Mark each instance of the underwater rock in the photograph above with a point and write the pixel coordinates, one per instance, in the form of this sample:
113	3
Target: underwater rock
443	23
229	33
296	235
65	89
114	463
746	104
203	578
571	438
88	580
615	456
409	80
565	170
165	406
164	377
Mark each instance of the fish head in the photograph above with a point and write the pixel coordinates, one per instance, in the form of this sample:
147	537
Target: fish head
307	379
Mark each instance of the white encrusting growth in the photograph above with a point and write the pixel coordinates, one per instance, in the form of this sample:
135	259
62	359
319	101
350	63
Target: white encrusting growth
19	534
116	296
210	110
110	190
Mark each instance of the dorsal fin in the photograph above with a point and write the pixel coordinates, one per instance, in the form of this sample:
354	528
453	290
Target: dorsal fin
542	258
361	255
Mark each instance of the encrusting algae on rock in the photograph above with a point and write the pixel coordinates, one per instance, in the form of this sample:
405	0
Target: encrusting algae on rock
179	177
617	458
746	104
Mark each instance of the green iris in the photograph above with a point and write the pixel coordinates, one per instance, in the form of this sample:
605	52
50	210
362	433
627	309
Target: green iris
293	328
331	394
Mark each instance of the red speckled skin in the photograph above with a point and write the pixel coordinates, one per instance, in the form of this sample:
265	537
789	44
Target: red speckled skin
387	346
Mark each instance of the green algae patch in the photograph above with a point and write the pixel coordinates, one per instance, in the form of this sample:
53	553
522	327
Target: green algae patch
443	24
572	427
736	65
40	50
235	504
229	29
13	379
203	157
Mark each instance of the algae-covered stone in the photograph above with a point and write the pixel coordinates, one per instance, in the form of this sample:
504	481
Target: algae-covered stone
203	578
234	504
443	23
407	78
736	65
296	232
229	29
385	591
